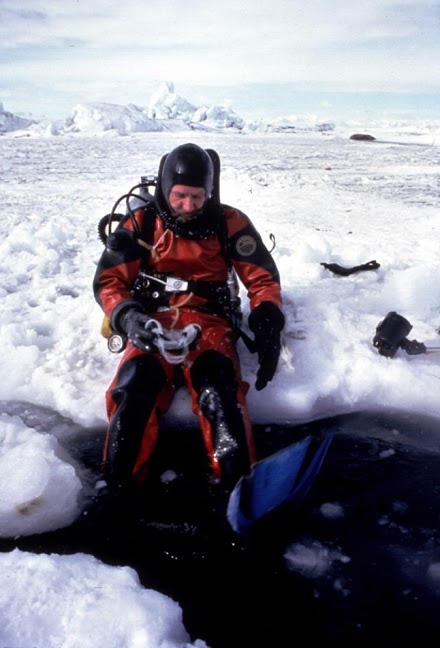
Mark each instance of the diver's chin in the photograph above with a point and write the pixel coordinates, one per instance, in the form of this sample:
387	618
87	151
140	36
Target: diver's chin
186	218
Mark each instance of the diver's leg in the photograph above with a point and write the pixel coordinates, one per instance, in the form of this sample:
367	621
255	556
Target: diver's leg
215	384
131	403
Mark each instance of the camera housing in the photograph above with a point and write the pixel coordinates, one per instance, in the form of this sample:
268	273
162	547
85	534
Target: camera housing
391	334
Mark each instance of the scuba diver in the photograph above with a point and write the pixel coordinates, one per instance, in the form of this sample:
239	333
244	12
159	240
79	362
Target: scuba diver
164	284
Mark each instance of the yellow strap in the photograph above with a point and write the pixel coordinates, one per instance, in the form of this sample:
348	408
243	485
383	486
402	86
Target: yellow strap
177	311
150	248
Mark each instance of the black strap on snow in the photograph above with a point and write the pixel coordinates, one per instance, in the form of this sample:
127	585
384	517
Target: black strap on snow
344	272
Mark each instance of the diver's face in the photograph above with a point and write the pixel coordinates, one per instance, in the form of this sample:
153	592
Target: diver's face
185	201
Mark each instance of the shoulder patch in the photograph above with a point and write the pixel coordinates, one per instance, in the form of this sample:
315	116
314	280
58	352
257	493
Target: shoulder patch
246	245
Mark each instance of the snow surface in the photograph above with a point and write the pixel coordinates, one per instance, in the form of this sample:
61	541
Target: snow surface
325	199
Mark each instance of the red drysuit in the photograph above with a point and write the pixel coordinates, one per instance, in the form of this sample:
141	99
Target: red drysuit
203	262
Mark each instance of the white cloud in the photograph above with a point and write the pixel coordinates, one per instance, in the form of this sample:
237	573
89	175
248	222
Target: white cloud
106	47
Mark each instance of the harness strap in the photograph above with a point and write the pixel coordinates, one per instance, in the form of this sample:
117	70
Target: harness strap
215	292
177	308
168	285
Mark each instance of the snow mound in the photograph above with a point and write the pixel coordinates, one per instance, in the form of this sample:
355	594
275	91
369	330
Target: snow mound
97	118
166	111
218	117
291	125
165	103
39	490
60	601
10	122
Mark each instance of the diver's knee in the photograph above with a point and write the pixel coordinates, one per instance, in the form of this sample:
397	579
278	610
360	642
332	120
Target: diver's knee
214	369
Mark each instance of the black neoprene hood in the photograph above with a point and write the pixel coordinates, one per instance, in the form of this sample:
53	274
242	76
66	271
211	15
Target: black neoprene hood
189	165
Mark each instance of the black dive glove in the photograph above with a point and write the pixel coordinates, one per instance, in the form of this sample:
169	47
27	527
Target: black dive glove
266	322
141	330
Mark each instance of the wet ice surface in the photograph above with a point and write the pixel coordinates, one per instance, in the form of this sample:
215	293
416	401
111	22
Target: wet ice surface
358	562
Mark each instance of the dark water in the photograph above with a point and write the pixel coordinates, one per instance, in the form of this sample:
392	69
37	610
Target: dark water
357	565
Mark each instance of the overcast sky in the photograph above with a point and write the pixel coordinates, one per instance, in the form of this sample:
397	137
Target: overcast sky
54	53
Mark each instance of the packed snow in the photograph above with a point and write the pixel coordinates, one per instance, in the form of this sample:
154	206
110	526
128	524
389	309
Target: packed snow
73	601
315	194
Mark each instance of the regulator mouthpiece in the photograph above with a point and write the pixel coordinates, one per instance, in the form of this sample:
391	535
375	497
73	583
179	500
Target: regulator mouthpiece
175	345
